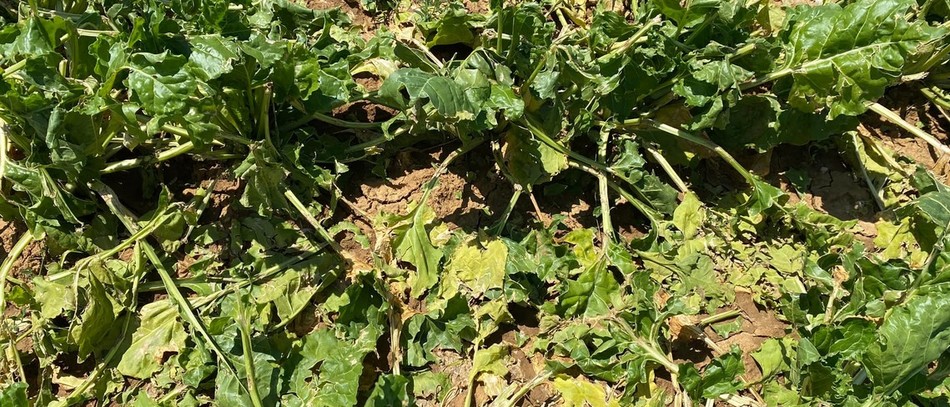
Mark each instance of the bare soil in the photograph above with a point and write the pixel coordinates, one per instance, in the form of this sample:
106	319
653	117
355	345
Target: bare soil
32	259
360	18
472	194
9	233
833	189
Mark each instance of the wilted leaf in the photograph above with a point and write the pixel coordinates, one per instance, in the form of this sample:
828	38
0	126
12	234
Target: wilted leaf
530	161
97	319
491	360
159	332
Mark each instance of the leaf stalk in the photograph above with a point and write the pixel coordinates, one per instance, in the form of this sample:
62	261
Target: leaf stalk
892	117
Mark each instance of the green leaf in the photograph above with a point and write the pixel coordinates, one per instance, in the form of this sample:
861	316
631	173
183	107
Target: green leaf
341	364
594	293
913	335
212	56
707	81
687	14
265	182
228	388
447	96
14	395
37	37
630	164
936	206
48	199
454	28
439	329
529	34
160	84
289	293
843	57
159	332
764	196
390	390
856	335
719	377
412	244
325	368
322	85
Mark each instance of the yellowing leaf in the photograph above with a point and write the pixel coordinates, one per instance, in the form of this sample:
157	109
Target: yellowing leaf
583	241
892	239
786	259
770	357
491	360
491	315
578	392
480	270
54	296
689	216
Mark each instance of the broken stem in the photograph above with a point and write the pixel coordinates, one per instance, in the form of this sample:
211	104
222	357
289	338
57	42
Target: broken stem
602	190
5	269
527	387
185	307
722	316
518	189
669	170
137	162
248	350
721	152
299	206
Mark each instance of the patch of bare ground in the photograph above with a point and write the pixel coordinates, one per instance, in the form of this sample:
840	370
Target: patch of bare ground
699	345
185	179
477	7
832	186
352	8
31	261
471	195
9	233
522	367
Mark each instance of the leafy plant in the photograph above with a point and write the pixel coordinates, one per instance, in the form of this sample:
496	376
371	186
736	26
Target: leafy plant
120	120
